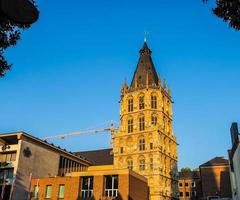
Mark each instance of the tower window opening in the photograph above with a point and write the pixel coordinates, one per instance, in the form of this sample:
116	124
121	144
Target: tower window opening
142	144
142	164
154	102
130	164
130	105
142	123
151	163
130	125
154	120
141	102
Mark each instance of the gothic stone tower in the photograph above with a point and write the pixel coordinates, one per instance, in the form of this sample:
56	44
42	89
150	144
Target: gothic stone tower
145	142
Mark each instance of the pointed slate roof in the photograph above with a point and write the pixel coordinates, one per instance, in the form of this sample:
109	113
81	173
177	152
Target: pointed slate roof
145	69
215	162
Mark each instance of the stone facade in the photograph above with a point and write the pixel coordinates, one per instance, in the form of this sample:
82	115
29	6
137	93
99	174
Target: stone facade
145	142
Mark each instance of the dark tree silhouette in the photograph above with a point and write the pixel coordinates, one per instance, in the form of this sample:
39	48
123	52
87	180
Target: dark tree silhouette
10	32
228	11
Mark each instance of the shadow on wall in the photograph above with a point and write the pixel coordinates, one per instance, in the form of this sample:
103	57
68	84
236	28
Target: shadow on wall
19	189
215	182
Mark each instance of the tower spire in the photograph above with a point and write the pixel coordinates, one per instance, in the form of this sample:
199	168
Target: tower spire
145	66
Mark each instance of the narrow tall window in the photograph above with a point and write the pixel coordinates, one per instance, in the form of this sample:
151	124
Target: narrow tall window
142	164
151	163
87	186
142	123
48	191
35	192
141	144
111	186
154	120
130	164
130	125
154	102
141	102
61	191
130	105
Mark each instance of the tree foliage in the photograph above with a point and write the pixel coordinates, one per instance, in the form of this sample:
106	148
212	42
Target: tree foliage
9	35
228	11
186	169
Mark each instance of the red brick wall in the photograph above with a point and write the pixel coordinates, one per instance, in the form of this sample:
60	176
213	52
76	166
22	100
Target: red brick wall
71	187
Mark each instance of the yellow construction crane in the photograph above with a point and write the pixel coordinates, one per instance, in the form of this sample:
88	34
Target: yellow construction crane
112	130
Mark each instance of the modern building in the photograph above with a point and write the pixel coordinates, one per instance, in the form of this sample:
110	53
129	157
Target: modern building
215	179
189	185
234	159
98	182
23	157
145	142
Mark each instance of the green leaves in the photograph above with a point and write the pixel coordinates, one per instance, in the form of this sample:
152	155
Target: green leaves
228	11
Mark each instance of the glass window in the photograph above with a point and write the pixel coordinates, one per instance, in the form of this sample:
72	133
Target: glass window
130	105
35	192
142	123
180	184
151	163
141	102
8	156
193	184
111	186
151	145
130	125
181	194
61	191
154	102
142	164
141	144
187	194
87	186
48	191
186	184
121	149
154	120
130	164
194	193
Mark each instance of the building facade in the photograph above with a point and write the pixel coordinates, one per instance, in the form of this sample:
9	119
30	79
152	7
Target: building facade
189	185
234	160
23	157
98	182
215	179
145	142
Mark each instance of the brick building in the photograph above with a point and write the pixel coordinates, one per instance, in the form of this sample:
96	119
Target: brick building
98	182
189	185
215	179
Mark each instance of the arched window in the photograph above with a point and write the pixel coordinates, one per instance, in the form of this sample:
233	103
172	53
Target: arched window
130	105
141	102
154	102
141	144
141	123
130	163
154	120
142	164
130	125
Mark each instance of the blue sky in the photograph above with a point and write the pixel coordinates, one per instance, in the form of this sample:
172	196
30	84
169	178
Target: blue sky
68	69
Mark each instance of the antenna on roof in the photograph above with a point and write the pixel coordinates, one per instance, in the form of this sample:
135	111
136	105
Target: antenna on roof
146	34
